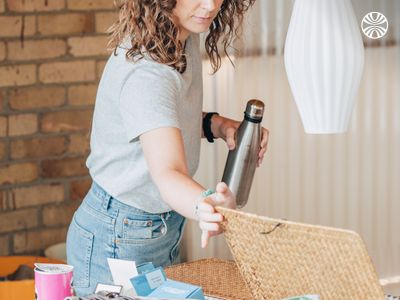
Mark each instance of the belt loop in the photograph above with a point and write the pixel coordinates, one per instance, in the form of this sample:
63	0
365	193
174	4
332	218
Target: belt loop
163	219
106	202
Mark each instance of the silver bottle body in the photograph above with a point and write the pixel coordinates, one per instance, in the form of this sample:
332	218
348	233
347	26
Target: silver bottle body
242	161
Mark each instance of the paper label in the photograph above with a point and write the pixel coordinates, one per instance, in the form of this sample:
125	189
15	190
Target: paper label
155	279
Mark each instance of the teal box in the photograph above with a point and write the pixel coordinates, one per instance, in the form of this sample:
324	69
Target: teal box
147	282
145	267
177	290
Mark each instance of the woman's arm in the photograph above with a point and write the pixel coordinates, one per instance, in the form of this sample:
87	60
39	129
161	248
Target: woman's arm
165	156
164	153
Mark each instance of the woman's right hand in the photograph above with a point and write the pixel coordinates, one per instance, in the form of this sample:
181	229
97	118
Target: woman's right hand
209	219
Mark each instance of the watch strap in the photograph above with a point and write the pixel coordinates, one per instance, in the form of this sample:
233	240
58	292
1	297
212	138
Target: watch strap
207	126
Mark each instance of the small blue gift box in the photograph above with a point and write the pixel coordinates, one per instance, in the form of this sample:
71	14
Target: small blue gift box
153	282
177	290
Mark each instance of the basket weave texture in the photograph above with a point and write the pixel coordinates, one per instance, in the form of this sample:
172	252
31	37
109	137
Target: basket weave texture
279	259
218	278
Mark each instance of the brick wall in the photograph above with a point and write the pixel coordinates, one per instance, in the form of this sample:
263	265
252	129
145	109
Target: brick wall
52	53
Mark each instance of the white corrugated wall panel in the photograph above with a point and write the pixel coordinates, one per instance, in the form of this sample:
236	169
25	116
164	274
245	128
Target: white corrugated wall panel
349	180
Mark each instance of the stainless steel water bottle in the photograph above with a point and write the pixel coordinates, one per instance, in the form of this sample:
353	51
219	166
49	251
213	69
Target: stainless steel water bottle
242	161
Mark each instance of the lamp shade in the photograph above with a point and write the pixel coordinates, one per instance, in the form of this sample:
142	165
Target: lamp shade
324	60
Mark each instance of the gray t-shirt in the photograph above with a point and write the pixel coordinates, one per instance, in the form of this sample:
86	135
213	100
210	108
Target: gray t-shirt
134	98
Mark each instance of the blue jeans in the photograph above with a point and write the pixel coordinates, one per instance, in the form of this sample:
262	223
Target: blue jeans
104	227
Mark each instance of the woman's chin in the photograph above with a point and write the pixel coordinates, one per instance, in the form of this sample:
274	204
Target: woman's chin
196	27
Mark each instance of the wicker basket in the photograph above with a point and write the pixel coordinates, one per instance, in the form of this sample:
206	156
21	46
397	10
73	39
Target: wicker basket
218	278
279	259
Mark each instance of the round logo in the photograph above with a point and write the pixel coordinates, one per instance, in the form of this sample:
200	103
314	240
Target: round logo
374	25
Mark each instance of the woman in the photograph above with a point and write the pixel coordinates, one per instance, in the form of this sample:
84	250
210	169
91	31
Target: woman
145	138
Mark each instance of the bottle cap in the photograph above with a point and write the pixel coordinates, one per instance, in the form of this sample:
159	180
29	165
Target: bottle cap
254	109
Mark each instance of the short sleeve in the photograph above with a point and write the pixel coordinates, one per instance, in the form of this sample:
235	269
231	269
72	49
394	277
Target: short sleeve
149	100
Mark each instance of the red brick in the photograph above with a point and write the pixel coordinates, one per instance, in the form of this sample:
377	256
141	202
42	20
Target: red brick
39	49
4	246
66	167
79	144
90	4
18	173
22	124
79	189
71	71
100	67
36	97
2	150
82	94
66	121
29	26
17	220
1	101
35	5
11	26
38	195
26	242
2	51
59	214
3	126
104	20
17	75
88	46
70	23
6	200
37	147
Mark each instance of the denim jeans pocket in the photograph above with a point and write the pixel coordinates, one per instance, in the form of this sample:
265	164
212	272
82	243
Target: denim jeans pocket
138	229
80	240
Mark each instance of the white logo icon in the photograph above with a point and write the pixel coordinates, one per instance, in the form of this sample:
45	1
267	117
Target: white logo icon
374	25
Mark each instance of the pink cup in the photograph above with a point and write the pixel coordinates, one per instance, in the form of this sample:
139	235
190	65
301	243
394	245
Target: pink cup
53	281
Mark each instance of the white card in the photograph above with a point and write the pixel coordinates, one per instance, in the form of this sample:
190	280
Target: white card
122	271
108	288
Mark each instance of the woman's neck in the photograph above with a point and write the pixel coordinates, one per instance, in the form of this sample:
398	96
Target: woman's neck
183	35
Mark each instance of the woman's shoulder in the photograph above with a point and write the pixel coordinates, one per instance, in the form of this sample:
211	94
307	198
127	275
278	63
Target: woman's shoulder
144	63
146	72
141	68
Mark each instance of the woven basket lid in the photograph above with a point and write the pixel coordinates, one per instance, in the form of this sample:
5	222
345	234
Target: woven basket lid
280	259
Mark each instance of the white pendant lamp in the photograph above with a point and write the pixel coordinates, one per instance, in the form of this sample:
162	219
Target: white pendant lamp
324	59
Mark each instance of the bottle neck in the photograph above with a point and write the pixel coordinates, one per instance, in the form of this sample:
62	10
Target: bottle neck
253	120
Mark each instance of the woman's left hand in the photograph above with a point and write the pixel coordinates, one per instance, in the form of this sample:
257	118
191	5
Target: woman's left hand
226	129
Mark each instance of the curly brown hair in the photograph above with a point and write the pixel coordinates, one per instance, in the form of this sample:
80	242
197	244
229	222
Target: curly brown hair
154	30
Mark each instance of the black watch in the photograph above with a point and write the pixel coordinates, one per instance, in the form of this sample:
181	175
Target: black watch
207	126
